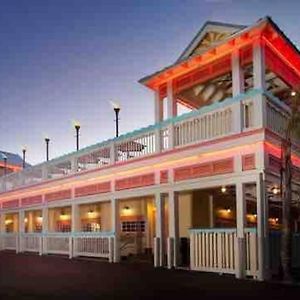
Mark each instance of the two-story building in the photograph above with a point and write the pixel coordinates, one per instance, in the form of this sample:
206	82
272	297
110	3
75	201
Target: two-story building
198	189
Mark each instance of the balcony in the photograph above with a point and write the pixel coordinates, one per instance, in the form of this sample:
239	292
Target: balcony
231	116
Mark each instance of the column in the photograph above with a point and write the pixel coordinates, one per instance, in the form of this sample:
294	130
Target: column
74	164
240	224
115	217
75	226
259	80
21	231
158	108
159	231
262	230
45	224
171	112
2	230
237	89
173	239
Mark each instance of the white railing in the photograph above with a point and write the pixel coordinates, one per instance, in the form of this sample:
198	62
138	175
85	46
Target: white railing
203	127
214	250
10	241
31	242
98	244
57	243
207	123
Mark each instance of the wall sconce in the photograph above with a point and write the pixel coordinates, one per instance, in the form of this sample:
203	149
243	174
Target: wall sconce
126	207
26	220
275	190
7	222
228	210
293	93
39	219
223	189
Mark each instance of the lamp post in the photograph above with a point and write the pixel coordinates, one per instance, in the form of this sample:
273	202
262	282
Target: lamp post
5	163
47	140
24	157
117	111
77	127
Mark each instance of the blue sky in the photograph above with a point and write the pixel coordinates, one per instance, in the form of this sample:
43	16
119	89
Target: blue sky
62	60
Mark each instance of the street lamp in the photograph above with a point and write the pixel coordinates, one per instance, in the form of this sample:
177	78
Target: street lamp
77	127
117	109
47	140
24	156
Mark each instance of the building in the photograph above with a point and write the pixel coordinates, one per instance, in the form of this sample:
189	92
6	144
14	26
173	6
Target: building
197	190
9	162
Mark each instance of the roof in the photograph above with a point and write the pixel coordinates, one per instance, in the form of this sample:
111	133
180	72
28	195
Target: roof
223	31
12	158
240	30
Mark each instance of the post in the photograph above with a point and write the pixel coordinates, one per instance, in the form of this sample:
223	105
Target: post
158	108
173	239
240	223
237	89
77	127
159	236
47	140
115	217
262	230
75	226
259	79
2	230
24	158
211	211
171	112
74	164
45	215
20	247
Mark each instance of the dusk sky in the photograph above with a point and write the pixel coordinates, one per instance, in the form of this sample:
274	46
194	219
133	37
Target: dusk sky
64	60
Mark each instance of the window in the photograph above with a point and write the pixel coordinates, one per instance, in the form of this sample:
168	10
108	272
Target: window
133	226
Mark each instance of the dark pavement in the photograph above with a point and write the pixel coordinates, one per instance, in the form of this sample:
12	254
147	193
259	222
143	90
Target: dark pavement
28	276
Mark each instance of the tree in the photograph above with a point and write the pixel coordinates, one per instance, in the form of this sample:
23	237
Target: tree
292	129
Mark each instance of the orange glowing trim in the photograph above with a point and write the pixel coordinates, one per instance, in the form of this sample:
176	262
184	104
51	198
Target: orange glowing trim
168	164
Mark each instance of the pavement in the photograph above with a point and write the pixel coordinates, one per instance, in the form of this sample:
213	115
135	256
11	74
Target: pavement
29	276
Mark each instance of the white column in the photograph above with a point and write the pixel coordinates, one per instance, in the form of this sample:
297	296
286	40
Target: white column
240	224
262	229
259	79
158	108
171	112
159	236
112	153
115	217
237	89
237	74
2	230
75	218
21	230
173	239
45	215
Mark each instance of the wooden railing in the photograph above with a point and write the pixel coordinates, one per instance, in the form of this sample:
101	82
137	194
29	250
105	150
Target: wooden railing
214	250
231	116
89	244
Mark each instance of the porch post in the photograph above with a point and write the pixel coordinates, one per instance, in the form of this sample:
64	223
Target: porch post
173	239
21	231
74	227
159	236
171	112
45	214
262	230
211	211
115	217
240	223
158	108
237	89
259	79
2	230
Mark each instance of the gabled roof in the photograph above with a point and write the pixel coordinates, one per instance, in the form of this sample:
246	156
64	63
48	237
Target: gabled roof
12	158
210	34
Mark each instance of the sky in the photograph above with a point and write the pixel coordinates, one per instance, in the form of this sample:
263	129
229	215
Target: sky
65	60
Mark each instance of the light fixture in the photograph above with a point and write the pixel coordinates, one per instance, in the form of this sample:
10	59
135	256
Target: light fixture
228	210
40	219
223	189
275	190
117	109
293	93
255	215
90	212
126	207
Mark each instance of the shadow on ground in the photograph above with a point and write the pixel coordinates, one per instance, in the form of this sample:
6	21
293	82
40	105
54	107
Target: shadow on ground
26	276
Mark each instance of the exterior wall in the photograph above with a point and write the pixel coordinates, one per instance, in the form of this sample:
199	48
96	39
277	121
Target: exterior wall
200	210
185	214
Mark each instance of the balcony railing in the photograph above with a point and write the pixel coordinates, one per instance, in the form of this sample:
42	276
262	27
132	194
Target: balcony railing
230	116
